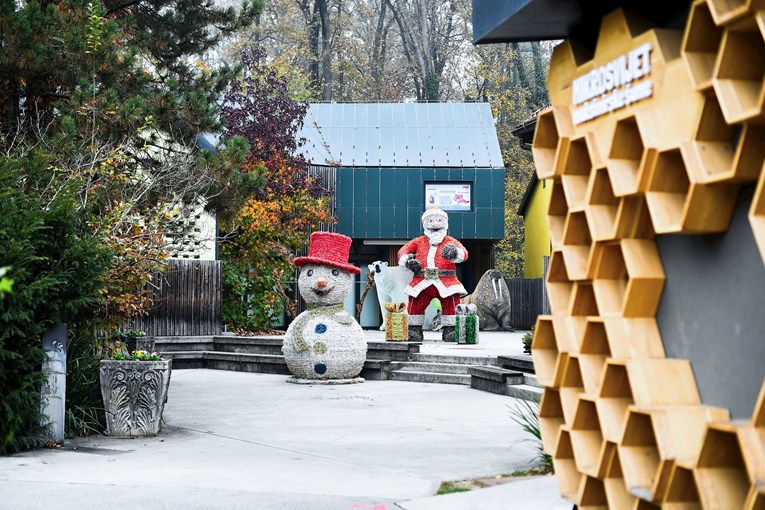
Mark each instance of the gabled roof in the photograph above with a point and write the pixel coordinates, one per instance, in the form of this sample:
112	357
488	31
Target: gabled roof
419	135
526	200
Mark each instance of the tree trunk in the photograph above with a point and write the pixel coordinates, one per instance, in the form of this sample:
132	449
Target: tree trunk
326	51
520	71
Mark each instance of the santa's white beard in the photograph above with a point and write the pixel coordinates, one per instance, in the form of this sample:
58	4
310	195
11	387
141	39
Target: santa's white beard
435	236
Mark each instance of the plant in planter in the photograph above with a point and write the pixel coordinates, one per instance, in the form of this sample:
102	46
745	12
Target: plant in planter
134	390
527	343
135	341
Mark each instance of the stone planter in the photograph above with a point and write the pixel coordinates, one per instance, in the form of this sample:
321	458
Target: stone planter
134	394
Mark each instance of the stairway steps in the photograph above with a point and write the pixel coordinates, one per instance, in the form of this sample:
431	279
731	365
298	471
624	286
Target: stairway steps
429	377
519	362
421	366
460	360
524	392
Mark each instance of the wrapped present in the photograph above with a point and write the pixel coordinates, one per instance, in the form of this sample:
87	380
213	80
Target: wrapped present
396	322
466	324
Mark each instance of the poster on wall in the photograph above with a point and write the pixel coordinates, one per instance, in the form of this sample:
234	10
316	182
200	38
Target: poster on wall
449	196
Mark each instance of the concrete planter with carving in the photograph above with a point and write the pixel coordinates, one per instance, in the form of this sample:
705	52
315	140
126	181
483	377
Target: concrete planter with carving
134	394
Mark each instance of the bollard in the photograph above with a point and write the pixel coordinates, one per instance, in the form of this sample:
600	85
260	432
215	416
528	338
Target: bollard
53	392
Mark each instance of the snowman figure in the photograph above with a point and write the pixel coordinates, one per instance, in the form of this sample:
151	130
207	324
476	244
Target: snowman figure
325	343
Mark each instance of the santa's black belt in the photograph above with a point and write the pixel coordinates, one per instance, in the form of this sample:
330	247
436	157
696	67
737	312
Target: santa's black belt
434	274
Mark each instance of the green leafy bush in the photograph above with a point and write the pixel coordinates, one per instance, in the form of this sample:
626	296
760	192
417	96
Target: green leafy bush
57	272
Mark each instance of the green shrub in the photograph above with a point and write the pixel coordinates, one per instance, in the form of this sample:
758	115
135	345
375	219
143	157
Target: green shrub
57	270
84	407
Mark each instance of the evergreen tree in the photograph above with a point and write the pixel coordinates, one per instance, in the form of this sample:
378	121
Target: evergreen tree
138	58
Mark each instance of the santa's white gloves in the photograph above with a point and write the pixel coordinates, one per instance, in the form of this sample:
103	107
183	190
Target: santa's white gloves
449	252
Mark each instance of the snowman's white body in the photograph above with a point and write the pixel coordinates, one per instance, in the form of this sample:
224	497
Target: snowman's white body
324	342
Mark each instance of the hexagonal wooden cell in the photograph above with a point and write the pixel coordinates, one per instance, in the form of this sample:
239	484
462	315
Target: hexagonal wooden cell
616	491
551	338
629	278
757	215
633	338
655	438
729	11
557	212
586	437
593	352
720	473
577	244
682	493
583	303
571	387
633	220
550	419
550	132
569	478
700	44
602	206
625	161
719	152
574	165
645	382
677	205
614	399
668	187
592	494
558	284
739	72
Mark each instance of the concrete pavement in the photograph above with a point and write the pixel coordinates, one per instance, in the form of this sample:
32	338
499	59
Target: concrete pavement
243	440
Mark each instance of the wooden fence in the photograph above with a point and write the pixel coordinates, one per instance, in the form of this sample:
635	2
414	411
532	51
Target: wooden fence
187	300
528	299
525	301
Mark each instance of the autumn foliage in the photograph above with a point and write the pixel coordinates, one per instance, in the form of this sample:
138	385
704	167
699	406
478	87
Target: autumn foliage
274	223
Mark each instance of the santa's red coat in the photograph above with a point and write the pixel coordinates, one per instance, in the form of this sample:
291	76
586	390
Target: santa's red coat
430	257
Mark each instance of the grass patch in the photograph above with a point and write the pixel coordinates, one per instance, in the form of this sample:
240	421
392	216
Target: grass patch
530	472
450	488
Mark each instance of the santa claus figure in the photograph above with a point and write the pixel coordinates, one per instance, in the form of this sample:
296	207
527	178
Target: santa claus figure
432	258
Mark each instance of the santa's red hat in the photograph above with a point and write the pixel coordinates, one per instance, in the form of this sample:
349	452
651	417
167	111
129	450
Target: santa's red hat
329	249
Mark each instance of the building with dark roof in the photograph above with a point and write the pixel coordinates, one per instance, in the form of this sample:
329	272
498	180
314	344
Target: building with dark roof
388	161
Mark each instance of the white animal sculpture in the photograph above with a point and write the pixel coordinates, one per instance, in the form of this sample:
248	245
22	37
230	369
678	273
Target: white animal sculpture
390	283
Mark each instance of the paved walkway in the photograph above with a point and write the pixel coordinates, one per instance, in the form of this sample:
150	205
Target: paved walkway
490	343
252	441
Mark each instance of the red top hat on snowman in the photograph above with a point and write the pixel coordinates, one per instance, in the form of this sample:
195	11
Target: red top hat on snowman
329	249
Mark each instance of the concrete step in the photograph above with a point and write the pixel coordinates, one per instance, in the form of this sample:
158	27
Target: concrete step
421	366
428	377
249	345
519	362
183	343
396	351
459	360
525	392
531	380
493	379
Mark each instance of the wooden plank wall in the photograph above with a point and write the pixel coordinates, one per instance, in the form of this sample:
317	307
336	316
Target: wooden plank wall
187	302
525	301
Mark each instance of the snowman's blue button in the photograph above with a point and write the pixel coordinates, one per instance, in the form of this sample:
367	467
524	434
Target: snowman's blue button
321	328
320	368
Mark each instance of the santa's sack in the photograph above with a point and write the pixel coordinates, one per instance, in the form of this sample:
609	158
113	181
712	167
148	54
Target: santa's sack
396	322
466	324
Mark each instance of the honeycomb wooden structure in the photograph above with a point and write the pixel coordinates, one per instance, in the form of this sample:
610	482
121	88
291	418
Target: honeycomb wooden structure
625	425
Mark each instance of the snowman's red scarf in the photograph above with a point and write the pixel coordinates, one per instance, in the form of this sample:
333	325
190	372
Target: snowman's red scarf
313	312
